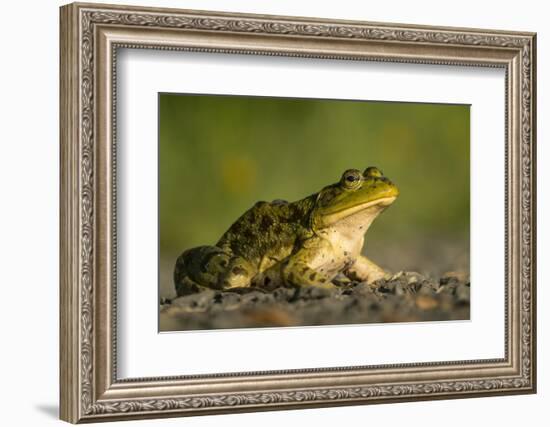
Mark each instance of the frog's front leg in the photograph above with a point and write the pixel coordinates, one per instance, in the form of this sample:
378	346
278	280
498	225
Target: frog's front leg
364	270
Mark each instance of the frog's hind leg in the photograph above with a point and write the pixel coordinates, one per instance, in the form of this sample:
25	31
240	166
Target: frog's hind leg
294	271
299	273
364	270
210	267
199	268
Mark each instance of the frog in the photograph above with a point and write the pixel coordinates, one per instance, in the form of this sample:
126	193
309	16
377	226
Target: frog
309	242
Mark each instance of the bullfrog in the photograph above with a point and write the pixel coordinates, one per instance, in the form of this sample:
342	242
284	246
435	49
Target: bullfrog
303	243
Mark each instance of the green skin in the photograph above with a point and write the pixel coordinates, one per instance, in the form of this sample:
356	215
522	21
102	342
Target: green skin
303	243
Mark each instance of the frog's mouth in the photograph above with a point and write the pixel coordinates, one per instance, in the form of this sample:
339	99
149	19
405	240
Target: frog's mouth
371	209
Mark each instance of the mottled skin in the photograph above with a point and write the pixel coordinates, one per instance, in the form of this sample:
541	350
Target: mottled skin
307	242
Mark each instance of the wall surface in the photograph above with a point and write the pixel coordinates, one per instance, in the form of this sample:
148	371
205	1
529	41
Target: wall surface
29	170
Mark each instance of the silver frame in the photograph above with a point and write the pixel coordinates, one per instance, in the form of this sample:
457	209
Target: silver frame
90	37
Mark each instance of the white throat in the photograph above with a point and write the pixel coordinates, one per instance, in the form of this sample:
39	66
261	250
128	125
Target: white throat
349	233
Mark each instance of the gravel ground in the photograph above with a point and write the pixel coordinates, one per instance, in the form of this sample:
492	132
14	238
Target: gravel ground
406	297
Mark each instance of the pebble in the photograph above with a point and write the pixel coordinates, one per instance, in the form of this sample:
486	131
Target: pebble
405	297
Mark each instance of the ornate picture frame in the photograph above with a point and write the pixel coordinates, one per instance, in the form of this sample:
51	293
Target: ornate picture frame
90	37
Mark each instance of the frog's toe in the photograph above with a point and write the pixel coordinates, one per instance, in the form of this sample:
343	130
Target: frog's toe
364	270
235	281
238	274
377	275
267	280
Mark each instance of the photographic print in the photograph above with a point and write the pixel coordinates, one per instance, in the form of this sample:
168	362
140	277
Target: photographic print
317	224
277	212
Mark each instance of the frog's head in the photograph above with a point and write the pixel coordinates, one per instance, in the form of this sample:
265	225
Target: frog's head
355	200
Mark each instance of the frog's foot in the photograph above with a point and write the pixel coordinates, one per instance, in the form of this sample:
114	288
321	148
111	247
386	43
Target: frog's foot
238	274
364	270
186	286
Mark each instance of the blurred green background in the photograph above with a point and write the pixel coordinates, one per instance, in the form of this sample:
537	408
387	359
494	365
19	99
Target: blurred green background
221	154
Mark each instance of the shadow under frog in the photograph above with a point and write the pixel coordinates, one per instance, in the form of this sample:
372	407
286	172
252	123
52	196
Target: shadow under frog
304	243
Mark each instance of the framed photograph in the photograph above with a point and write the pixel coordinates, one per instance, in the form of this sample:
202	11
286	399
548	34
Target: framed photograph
265	212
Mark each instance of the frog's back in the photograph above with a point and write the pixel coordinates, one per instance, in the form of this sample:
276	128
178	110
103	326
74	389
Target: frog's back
266	229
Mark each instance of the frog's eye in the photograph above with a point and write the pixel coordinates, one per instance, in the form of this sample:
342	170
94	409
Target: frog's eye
352	178
373	172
